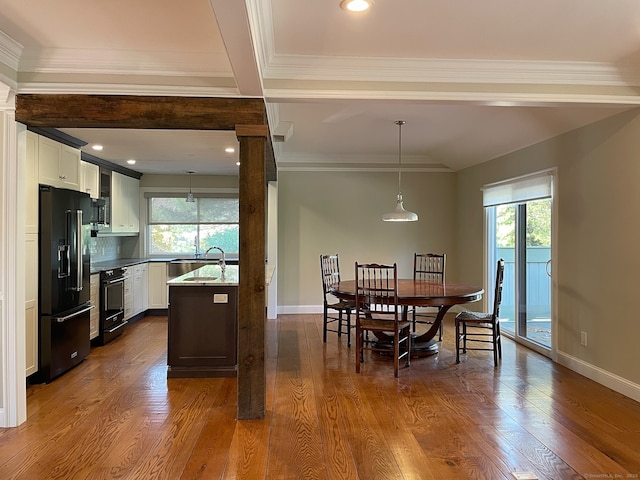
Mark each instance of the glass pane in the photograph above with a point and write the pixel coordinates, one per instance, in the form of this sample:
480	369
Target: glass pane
172	210
226	237
505	248
219	210
173	239
538	254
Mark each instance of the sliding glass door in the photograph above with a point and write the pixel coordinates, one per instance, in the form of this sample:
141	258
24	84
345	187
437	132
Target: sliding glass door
519	231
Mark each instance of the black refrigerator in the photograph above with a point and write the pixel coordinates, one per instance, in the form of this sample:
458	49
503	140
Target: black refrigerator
64	283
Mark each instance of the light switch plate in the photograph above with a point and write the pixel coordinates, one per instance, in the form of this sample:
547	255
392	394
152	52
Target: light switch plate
220	298
524	475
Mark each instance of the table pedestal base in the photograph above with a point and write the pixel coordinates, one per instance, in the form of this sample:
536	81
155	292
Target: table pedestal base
418	349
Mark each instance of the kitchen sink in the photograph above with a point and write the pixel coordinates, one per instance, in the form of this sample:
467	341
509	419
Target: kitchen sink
200	279
182	266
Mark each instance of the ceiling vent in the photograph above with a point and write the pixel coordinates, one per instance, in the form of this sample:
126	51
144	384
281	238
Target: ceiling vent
283	131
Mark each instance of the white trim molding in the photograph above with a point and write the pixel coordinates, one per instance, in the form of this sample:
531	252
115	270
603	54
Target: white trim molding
13	404
598	375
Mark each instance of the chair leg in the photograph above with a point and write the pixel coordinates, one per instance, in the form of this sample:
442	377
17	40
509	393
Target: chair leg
359	339
339	323
348	328
495	347
396	353
324	326
457	342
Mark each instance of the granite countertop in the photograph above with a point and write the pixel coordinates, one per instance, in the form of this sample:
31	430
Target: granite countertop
208	275
211	275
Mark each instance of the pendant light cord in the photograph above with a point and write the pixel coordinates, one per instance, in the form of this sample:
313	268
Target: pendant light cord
400	123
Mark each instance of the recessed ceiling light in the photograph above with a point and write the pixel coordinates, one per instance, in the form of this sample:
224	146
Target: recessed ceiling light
131	162
229	149
97	147
356	5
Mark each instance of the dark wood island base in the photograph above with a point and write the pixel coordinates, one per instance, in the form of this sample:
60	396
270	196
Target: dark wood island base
202	331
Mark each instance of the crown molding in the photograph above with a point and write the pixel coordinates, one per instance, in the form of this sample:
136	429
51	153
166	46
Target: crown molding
121	62
472	71
10	51
492	98
349	167
124	89
309	162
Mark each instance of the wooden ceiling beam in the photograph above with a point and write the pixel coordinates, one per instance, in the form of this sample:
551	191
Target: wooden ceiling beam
141	112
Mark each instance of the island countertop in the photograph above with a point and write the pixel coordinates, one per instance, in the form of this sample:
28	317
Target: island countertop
211	275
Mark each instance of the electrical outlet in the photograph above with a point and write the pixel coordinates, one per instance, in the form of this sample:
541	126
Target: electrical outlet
583	338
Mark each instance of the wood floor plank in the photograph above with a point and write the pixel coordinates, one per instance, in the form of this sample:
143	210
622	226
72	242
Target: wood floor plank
295	444
210	453
117	416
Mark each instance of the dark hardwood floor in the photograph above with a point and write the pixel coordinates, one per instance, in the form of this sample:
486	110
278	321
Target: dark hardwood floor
117	416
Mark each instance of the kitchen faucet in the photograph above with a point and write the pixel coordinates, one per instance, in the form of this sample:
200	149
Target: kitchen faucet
195	244
223	265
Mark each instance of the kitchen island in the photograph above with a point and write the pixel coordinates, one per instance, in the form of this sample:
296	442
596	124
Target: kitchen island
202	340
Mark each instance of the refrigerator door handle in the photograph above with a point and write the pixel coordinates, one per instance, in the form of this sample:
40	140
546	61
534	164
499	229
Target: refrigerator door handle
67	317
79	266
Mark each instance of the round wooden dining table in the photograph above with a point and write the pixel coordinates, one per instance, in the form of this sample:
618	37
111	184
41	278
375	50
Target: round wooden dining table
419	293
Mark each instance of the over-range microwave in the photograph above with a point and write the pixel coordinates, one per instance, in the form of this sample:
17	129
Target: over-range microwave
98	212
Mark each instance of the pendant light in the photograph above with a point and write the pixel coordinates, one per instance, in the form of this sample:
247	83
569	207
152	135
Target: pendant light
400	214
190	195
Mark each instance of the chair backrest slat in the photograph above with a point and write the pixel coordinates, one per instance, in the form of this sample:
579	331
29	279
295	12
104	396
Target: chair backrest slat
497	296
330	269
429	267
377	288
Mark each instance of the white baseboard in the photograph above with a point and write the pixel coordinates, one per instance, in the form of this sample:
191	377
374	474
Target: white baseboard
299	309
603	377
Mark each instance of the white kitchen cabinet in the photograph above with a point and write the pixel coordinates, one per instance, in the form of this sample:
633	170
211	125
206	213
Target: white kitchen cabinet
125	204
31	303
90	179
158	285
128	294
58	164
94	322
140	289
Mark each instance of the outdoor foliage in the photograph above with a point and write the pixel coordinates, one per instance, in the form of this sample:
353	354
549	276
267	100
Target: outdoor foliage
177	226
538	224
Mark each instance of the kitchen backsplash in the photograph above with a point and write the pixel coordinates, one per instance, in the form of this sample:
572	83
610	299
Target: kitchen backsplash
113	248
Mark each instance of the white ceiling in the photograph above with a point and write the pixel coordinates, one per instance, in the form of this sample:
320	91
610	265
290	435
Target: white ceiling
474	80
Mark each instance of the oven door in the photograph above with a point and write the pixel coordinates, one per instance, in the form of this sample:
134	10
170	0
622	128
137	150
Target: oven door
112	314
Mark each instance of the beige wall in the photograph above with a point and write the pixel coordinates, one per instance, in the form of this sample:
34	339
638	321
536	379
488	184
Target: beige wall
340	212
598	232
598	228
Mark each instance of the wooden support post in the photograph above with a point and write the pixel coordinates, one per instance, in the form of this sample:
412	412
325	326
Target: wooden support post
251	289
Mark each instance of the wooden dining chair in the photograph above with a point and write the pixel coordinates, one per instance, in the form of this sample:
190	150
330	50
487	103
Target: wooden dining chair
335	311
378	312
429	267
482	329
